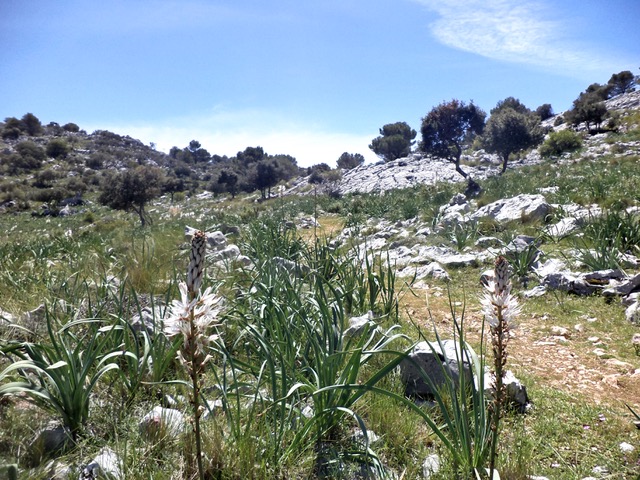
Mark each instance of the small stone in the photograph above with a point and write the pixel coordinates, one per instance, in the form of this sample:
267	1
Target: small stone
600	353
578	328
430	466
594	339
600	470
626	447
620	365
560	331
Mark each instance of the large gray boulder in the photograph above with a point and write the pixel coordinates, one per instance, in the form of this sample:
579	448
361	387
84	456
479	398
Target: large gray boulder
519	208
439	365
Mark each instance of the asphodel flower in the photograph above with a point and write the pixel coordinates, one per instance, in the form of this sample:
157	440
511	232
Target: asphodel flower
499	306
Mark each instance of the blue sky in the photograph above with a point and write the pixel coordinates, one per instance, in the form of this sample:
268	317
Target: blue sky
311	79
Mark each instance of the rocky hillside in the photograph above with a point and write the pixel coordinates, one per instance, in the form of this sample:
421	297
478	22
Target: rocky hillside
418	168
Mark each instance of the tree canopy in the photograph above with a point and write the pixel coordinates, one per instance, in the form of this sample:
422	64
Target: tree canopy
448	127
394	142
132	189
347	161
509	131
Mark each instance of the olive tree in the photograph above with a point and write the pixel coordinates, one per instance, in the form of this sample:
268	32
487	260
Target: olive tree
132	189
347	161
448	127
509	131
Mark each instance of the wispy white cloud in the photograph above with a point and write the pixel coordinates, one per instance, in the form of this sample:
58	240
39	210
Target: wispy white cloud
225	132
518	31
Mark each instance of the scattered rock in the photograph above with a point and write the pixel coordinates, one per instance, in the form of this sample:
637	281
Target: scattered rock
230	252
436	362
626	447
296	269
560	331
107	464
516	391
633	313
357	325
519	208
52	439
430	466
162	421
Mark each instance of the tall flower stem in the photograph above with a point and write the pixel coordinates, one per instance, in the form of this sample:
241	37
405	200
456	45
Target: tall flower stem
499	308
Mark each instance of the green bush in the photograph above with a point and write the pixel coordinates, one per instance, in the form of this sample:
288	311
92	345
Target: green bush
560	142
58	148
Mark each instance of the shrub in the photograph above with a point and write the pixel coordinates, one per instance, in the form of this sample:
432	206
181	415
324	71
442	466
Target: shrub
71	127
58	148
560	142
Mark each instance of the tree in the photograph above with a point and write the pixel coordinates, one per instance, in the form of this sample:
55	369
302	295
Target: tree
31	124
448	127
512	103
395	141
131	190
12	128
347	161
544	111
622	82
71	127
251	155
588	108
266	176
509	131
230	181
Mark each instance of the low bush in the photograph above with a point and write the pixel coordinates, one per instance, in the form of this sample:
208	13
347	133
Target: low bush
560	142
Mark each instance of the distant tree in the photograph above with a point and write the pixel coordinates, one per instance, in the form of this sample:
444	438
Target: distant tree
266	176
508	131
230	182
58	148
71	127
394	142
588	108
31	125
347	161
171	185
622	82
197	153
601	92
131	190
512	103
448	127
12	128
544	111
251	155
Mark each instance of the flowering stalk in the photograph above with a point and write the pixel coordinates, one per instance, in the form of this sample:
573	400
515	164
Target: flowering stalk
192	316
499	308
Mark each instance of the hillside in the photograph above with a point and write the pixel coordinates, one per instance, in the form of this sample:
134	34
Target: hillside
323	304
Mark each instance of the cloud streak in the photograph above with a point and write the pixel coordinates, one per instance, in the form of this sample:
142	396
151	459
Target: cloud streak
514	31
226	132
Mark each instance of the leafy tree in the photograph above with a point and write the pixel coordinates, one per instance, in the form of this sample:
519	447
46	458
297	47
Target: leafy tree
622	82
588	108
197	153
12	128
509	131
512	103
601	92
448	127
544	111
171	185
251	155
31	125
57	148
395	141
230	181
131	190
266	176
71	127
347	161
